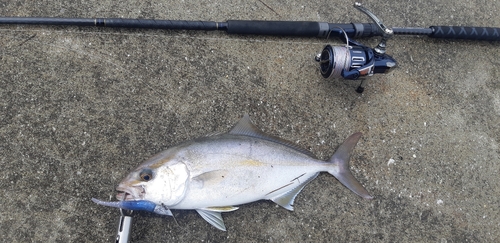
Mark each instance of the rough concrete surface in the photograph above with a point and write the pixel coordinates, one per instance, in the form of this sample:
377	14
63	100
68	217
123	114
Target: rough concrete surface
81	107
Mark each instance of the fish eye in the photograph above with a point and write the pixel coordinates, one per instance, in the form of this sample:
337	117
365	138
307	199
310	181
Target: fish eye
146	174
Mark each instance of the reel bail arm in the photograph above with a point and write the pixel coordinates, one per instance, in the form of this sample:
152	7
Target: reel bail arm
387	32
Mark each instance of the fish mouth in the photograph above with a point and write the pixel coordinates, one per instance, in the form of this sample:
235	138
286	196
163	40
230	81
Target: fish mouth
124	196
129	193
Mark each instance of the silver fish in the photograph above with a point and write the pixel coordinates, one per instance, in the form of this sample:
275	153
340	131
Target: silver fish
213	174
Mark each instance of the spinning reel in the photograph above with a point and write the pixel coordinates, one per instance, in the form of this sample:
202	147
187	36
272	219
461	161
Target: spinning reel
355	60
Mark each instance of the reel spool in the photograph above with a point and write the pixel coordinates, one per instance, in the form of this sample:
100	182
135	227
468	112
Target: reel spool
355	59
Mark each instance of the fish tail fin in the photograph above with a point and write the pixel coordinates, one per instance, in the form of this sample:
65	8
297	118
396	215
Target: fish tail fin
340	162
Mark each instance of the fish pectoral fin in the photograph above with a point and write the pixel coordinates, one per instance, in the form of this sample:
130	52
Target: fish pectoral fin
212	217
286	199
209	178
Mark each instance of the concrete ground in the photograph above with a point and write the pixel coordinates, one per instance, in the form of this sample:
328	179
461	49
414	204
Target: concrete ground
81	107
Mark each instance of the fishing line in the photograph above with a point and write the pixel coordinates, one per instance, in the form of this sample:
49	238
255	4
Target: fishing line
173	216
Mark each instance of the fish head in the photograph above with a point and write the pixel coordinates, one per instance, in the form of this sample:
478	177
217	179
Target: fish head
162	182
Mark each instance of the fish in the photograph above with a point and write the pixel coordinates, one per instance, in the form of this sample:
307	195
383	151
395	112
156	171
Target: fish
217	173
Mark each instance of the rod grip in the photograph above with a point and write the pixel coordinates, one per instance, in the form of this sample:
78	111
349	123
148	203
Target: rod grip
288	28
469	33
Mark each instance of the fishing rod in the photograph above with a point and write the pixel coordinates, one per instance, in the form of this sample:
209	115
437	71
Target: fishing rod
352	61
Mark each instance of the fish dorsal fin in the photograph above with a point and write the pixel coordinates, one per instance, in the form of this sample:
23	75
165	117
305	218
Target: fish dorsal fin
245	127
212	217
286	199
212	134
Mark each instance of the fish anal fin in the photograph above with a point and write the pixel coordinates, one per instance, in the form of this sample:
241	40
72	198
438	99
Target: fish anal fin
286	199
212	217
223	209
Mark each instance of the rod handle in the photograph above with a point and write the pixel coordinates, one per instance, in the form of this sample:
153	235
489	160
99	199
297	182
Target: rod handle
301	28
283	28
464	32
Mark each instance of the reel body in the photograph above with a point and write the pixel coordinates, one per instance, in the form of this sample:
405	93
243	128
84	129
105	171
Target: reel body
352	62
355	60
